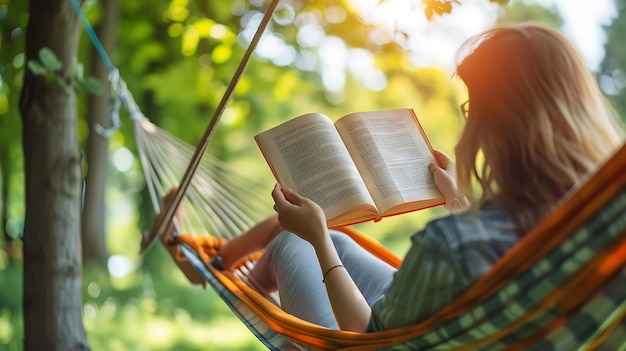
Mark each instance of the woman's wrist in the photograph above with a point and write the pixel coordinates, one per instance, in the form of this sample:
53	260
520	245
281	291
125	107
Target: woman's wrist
321	239
457	204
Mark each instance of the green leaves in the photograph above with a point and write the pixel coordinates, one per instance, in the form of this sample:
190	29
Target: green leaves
37	68
438	6
90	85
441	7
49	59
49	66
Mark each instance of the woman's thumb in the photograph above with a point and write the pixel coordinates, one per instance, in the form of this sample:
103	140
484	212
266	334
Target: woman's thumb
291	196
433	167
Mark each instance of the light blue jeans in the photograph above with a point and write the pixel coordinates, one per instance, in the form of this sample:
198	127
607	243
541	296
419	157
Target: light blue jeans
290	266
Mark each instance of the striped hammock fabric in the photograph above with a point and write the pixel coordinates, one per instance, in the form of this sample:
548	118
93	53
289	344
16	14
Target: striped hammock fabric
563	287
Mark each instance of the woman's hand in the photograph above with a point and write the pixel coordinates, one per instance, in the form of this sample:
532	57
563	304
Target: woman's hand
445	180
444	176
299	215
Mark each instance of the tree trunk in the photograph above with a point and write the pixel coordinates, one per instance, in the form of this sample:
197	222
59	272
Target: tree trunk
98	112
52	265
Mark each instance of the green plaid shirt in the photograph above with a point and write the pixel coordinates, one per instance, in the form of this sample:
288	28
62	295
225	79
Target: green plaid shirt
445	259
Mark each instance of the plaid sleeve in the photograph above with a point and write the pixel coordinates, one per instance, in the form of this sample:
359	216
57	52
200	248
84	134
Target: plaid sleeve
428	279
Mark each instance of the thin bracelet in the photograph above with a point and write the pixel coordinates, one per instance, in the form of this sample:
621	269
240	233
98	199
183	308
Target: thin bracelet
456	205
328	271
456	201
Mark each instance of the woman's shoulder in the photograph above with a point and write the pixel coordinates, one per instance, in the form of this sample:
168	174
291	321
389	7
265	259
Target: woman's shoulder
474	240
487	224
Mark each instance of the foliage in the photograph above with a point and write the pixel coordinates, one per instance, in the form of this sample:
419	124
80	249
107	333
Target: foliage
438	7
441	7
519	11
11	328
613	69
11	68
50	67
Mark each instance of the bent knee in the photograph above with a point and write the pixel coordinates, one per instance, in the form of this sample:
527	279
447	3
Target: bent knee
285	245
341	240
286	239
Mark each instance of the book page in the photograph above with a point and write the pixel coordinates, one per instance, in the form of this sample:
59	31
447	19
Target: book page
307	155
393	153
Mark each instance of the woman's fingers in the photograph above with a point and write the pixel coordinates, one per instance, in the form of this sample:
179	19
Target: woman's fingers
277	195
432	167
292	197
284	195
443	159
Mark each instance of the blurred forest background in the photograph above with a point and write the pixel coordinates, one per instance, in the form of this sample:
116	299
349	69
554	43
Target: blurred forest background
177	57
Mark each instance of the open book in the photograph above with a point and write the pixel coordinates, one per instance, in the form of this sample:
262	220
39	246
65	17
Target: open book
365	166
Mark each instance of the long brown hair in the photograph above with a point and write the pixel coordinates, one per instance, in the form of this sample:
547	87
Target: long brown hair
536	118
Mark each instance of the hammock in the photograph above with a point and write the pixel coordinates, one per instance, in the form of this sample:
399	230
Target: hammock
563	287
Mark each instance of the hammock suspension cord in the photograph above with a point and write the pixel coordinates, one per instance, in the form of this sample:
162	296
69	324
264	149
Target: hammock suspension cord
169	213
122	93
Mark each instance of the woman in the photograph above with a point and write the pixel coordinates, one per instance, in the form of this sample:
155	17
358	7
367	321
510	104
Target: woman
536	123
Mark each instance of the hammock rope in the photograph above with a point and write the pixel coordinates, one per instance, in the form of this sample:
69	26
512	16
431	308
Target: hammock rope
158	231
126	98
562	287
214	200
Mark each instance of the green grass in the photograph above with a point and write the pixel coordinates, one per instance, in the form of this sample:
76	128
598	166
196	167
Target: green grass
143	313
